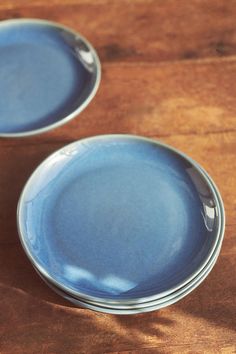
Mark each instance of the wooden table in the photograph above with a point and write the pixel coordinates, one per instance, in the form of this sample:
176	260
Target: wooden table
168	72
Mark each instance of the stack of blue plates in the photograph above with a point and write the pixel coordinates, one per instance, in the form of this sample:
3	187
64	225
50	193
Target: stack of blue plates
121	224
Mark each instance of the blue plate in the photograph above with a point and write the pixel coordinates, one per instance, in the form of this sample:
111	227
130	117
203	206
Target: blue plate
48	75
119	218
138	308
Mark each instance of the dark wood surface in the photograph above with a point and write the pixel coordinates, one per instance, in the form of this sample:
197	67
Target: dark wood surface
168	72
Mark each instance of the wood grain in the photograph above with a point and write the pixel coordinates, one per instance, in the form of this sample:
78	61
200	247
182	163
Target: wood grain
152	30
169	73
156	100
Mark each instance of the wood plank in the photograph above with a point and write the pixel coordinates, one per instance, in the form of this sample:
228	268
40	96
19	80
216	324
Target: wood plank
43	322
16	165
11	4
155	100
150	31
183	349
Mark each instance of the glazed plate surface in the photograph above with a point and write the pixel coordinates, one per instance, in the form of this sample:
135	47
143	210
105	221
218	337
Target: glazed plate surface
119	219
139	308
48	75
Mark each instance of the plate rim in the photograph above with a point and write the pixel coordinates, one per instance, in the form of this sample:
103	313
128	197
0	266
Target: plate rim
135	310
191	285
88	99
202	172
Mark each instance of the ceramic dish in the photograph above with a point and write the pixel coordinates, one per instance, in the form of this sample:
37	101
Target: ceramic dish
185	287
152	306
48	75
191	285
153	302
119	219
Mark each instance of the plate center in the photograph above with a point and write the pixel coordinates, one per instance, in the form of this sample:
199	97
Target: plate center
124	224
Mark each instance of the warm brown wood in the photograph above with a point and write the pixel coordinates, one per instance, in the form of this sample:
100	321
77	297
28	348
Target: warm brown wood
169	70
193	97
143	30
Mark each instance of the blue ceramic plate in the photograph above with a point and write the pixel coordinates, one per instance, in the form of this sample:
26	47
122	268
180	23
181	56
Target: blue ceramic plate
48	75
140	308
155	304
119	219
